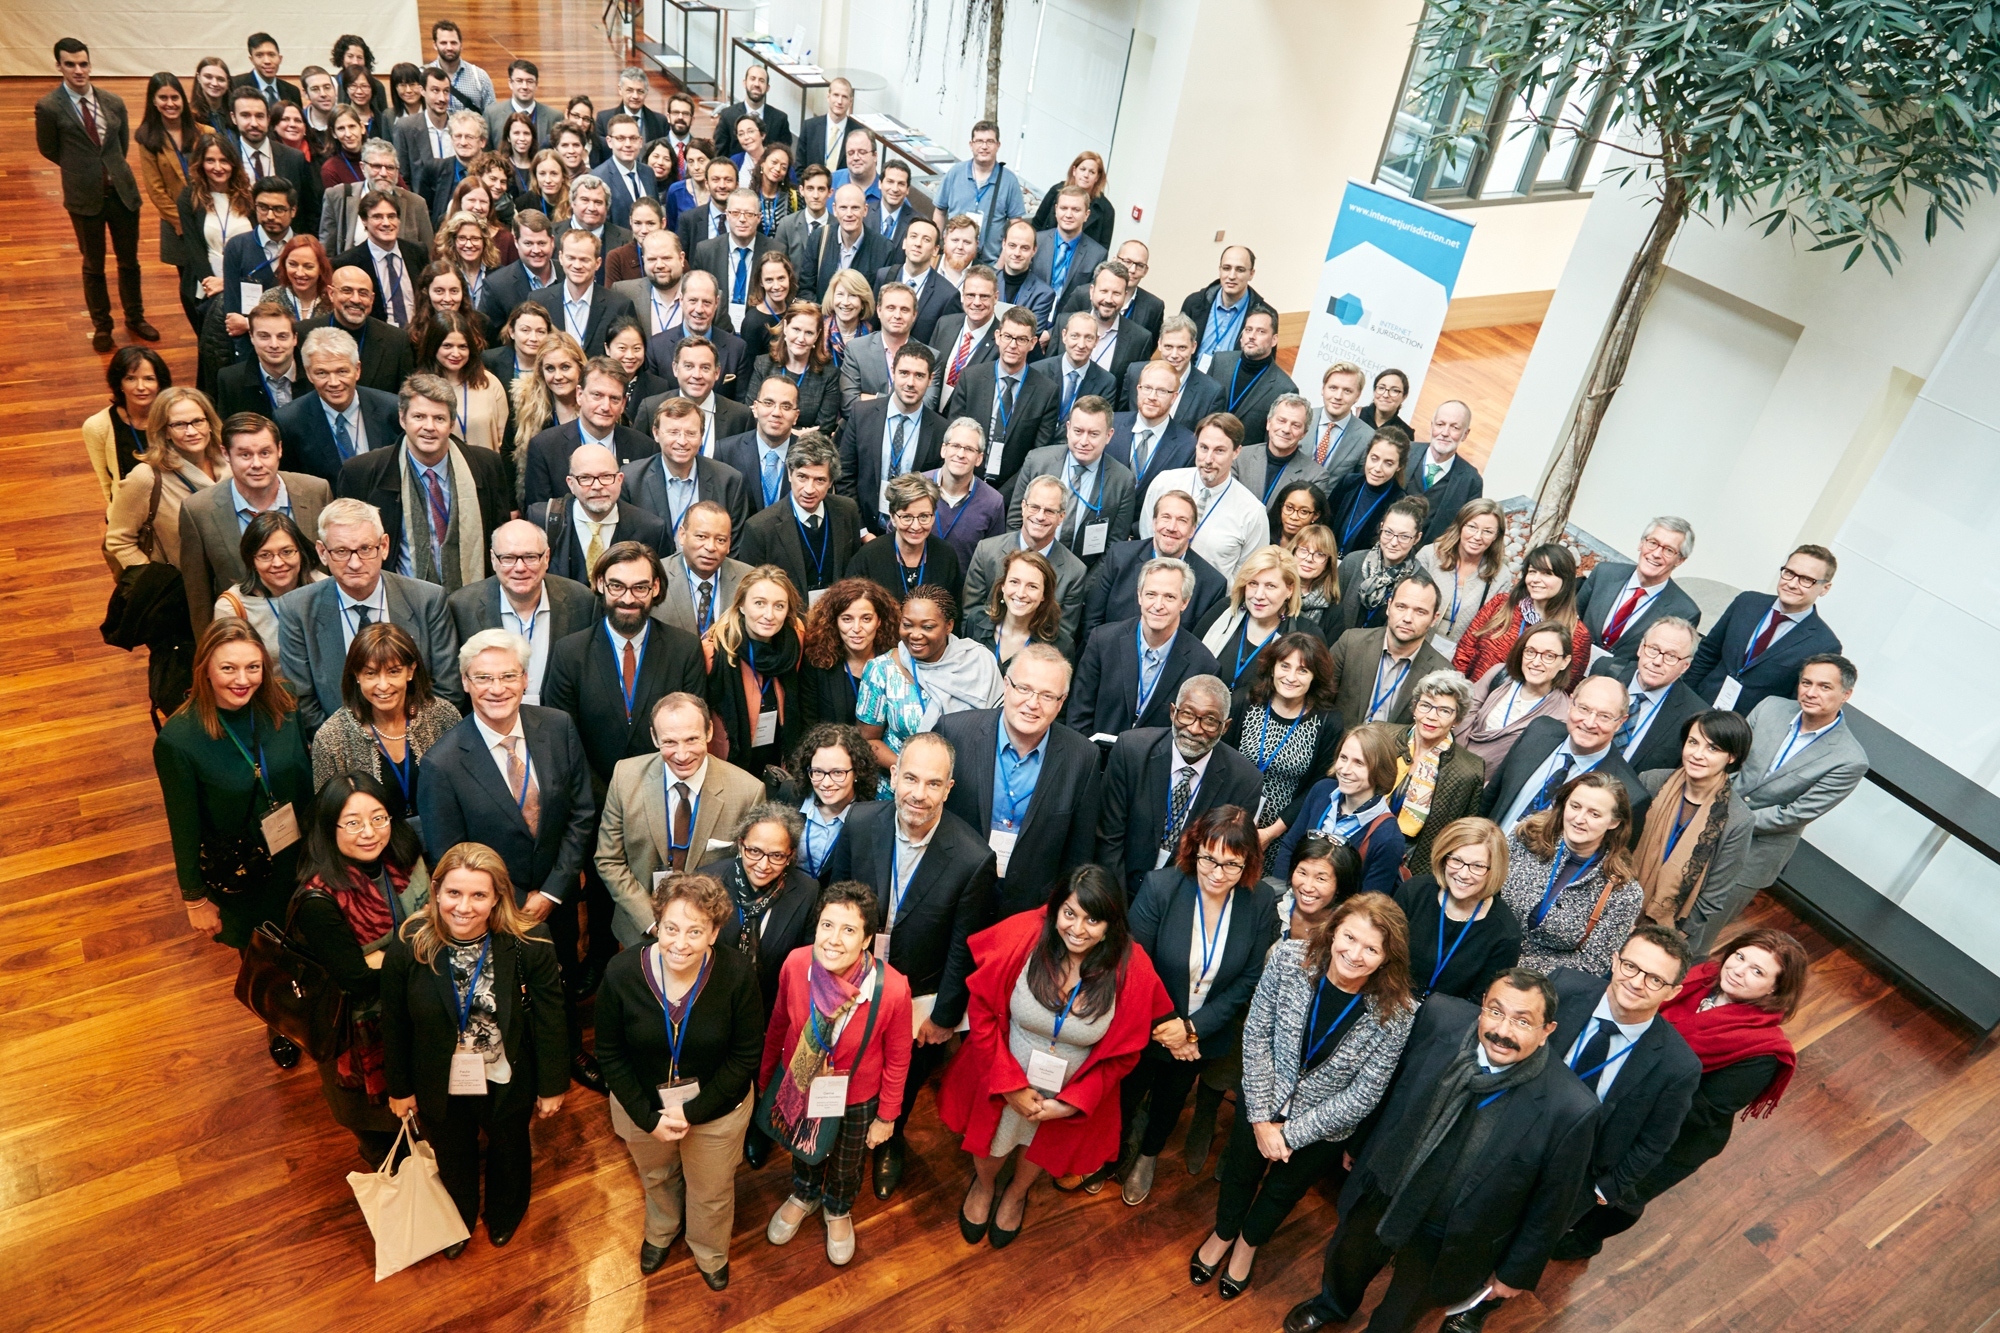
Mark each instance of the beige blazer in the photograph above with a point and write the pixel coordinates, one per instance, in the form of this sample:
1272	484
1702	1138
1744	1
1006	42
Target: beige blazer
632	832
128	513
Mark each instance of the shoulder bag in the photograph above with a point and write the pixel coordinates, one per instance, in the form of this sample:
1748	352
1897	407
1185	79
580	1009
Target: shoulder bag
826	1129
291	991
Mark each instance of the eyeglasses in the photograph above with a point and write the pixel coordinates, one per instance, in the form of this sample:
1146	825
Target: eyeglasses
613	588
1207	723
276	556
516	561
486	680
1656	545
763	857
1790	575
1519	1022
912	519
831	774
1211	864
1597	715
373	823
347	555
1047	698
1539	656
1389	538
1458	866
1631	971
1653	654
199	423
1435	707
589	479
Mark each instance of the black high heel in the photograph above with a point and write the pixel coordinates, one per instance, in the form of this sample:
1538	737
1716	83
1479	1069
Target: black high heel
1200	1273
1229	1288
999	1238
974	1232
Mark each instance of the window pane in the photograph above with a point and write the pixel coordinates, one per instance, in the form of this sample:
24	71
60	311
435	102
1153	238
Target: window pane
1563	145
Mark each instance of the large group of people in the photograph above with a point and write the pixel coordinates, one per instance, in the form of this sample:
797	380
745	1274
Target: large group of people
674	614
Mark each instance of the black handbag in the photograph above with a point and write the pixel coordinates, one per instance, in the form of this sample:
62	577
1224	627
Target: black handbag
825	1129
232	863
289	989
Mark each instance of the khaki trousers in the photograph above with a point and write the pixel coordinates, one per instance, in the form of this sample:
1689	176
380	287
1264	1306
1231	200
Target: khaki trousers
695	1175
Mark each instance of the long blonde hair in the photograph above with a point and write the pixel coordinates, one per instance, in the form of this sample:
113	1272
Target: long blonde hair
534	405
425	931
161	455
1259	560
729	635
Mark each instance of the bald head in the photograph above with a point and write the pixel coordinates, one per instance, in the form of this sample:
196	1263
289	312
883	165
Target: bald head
850	205
517	536
352	291
594	479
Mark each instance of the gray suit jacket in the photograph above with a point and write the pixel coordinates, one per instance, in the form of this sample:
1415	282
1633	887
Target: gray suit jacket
211	542
1602	591
413	144
1253	469
646	487
639	291
1718	900
1813	781
336	218
1350	446
677	608
793	233
312	649
864	368
496	117
87	168
1117	496
989	557
476	606
632	832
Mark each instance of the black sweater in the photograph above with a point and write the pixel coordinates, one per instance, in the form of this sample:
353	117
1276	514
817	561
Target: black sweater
1491	946
723	1041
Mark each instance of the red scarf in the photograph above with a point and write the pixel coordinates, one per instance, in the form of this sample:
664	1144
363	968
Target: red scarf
1729	1033
360	900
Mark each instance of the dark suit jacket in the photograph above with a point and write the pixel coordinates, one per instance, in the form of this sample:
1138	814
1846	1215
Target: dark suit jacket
869	258
740	452
386	357
1537	741
947	332
1134	347
1173	448
239	388
605	306
308	442
938	566
861	454
1776	672
646	487
773	538
1599	596
1357	657
950	896
788	924
1196	304
612	237
712	257
1163	921
652	125
1454	490
414	260
812	140
693	228
1141	307
1511	1205
895	229
1031	427
1256	392
1660	747
1113	593
731	417
476	606
287	90
507	289
566	548
1058	831
584	680
291	164
620	211
777	126
377	477
1031	290
1084	258
436	179
463	798
1133	815
1096	380
1641	1114
939	299
1105	697
1200	396
548	457
87	168
732	357
244	260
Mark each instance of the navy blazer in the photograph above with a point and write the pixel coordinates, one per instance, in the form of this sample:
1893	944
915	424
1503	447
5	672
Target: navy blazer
547	470
939	299
773	537
566	548
1096	380
1455	489
605	306
621	194
1381	851
463	798
415	260
1174	448
1537	741
1084	258
1032	425
308	440
1776	672
740	452
240	388
1200	396
732	358
1058	831
377	478
244	260
1163	921
506	288
861	454
1114	586
1133	815
1599	596
1032	290
1660	747
870	255
1105	697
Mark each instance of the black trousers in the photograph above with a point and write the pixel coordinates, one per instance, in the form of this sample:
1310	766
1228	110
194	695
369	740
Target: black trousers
1167	1083
563	934
924	1061
1356	1254
509	1157
123	224
602	944
1256	1194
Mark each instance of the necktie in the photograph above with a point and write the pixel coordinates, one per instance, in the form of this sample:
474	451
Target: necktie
812	529
343	439
629	672
677	848
1202	498
1624	736
632	184
270	95
1549	788
772	477
1764	639
1006	415
281	392
1076	517
1177	809
1070	382
1325	443
263	159
1431	472
398	312
594	551
706	611
959	357
680	159
1591	1057
1616	625
739	290
896	442
440	512
522	786
90	122
363	618
1142	452
1060	274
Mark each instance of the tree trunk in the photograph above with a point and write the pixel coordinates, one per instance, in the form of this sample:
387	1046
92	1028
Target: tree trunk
994	21
1607	369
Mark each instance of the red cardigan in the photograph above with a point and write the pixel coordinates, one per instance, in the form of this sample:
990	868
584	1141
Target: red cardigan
985	1070
1476	656
880	1070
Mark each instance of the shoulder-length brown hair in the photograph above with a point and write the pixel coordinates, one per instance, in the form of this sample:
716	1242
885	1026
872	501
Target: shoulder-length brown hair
1231	826
1447	542
1046	623
816	355
1540	833
318	253
1103	176
378	645
1548	558
425	929
272	699
1320	697
1793	963
1379	750
1390	982
1557	628
440	325
160	451
239	179
822	645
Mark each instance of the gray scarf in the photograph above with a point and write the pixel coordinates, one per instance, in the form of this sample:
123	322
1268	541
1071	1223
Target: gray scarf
1376	576
464	546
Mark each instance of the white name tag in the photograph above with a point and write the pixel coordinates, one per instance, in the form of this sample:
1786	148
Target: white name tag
1598	654
1002	843
250	294
736	314
1046	1072
1166	854
281	829
679	1094
827	1096
1094	537
880	946
993	461
812	598
468	1074
1731	691
767	729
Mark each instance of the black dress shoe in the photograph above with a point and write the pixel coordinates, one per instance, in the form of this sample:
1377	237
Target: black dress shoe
284	1051
1303	1318
651	1256
587	976
141	329
1573	1245
1470	1321
718	1279
756	1148
999	1238
500	1237
974	1232
583	1068
888	1167
1199	1273
453	1251
100	341
1229	1288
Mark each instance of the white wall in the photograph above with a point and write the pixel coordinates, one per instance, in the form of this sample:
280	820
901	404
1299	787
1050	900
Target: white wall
133	40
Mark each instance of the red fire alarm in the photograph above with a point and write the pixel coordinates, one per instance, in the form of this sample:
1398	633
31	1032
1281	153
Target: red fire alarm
1137	212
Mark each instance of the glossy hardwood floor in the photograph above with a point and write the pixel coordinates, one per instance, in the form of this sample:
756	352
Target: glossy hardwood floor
157	1172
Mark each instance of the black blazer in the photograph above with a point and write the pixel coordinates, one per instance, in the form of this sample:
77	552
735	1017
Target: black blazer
772	537
879	561
721	1043
1199	396
1492	944
1538	740
740	452
646	487
950	896
1163	925
777	126
692	226
732	360
606	305
652	125
1133	815
308	440
1113	593
1195	305
1660	747
819	393
1032	425
1105	697
1134	347
377	477
415	259
505	289
939	299
870	256
386	358
1256	391
1345	504
1455	489
1776	672
463	798
1142	307
420	1023
1600	594
1096	380
584	680
712	257
566	545
861	454
1059	829
287	90
548	458
1642	1112
240	388
789	923
1511	1205
731	417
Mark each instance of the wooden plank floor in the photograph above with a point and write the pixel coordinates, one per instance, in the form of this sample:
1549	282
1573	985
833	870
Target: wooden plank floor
156	1172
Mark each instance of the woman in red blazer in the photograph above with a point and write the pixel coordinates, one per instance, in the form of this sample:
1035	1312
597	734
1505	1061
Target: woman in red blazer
1062	1005
1546	591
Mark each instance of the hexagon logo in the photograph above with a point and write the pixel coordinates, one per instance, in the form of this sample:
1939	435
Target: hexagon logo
1347	309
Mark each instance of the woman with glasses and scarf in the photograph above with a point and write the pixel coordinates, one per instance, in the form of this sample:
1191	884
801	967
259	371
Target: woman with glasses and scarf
1437	780
1367	577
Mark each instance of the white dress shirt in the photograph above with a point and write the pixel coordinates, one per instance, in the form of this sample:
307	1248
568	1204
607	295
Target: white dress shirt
1621	1045
377	603
1231	525
536	629
1581	764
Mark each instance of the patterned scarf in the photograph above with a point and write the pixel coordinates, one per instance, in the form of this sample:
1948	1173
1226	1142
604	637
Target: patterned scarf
369	916
1377	576
1672	879
834	999
464	547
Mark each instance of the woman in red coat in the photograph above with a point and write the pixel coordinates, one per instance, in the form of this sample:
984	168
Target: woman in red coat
1546	592
1062	1005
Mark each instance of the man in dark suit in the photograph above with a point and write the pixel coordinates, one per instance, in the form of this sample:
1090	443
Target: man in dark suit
1250	377
1019	283
1659	702
514	777
1113	593
847	244
731	258
965	338
439	178
776	124
936	297
425	135
696	225
594	518
934	877
1129	342
759	455
632	91
535	243
629	179
381	349
1141	306
392	264
1473	1166
341	418
212	520
888	436
813	537
1133	667
263	155
1149	439
1015	409
590	211
524	82
1375	671
523	598
1065	258
1038	801
822	139
1218	309
674	477
1439	474
248	257
1099	504
726	374
1550	752
1620	601
270	372
462	492
1071	370
1755	650
86	134
1192	395
600	402
1159	779
580	304
262	76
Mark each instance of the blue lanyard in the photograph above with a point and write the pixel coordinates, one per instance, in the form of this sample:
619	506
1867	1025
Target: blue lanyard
1312	1019
1003	413
1353	527
825	545
923	702
1093	508
1262	761
1445	954
1245	654
853	684
1213	505
1681	823
1492	1097
816	860
1221	318
1554	889
1747	659
958	510
667	781
1380	696
405	771
631	697
463	1008
923	563
1618	1054
1146	689
1234	396
1792	738
1341	828
1063	1017
1272	484
677	1034
1210	943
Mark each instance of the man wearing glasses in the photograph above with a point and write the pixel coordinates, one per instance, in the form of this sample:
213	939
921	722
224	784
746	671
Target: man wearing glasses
1757	647
594	519
1550	753
1619	602
1658	701
523	598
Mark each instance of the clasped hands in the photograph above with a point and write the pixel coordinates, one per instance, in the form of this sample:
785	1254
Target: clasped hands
1031	1105
1178	1038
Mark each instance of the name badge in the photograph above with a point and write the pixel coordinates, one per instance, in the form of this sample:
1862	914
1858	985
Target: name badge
281	828
1731	691
1002	842
679	1094
249	293
827	1096
1598	654
880	945
468	1074
1094	537
993	462
812	598
1166	854
1046	1072
767	729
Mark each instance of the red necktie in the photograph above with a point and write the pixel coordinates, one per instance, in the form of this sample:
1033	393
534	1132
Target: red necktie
1325	440
1764	639
631	670
958	361
1616	625
90	123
